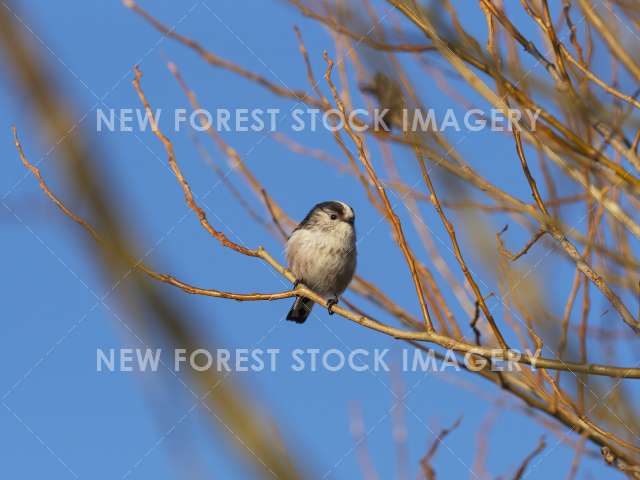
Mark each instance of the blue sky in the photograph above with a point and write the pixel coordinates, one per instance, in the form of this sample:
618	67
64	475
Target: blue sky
61	418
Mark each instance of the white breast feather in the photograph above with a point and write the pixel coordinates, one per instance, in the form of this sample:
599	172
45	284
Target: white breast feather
325	261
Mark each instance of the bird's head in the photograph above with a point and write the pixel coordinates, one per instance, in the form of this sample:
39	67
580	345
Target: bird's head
330	216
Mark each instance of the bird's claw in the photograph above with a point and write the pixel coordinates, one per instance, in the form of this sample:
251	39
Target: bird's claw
330	304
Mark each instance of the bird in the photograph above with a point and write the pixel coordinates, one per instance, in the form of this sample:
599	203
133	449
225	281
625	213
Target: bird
321	253
390	98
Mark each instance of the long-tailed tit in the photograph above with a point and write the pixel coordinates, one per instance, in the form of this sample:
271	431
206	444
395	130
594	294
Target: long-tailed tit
391	102
321	253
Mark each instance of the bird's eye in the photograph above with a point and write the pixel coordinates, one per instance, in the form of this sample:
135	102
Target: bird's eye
333	216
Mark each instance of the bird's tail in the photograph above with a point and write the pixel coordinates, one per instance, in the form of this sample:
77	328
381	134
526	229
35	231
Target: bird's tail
300	310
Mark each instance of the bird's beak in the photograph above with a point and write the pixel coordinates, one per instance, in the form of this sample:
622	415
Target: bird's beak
351	220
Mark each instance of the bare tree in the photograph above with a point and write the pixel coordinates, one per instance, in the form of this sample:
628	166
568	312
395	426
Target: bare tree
584	141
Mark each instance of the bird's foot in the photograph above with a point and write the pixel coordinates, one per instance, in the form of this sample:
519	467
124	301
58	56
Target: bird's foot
331	303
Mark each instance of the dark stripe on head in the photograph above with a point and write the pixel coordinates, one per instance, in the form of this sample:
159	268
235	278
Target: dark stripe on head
333	207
